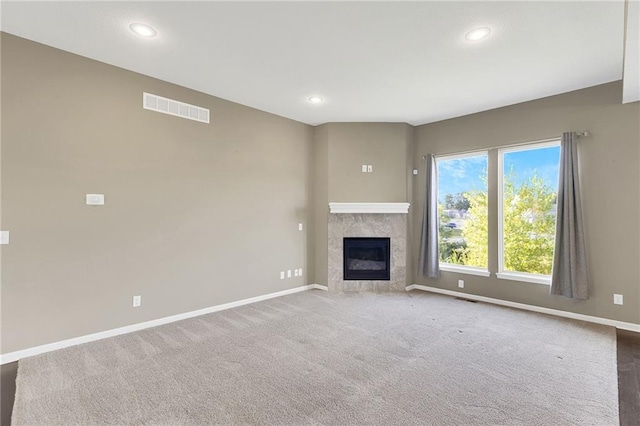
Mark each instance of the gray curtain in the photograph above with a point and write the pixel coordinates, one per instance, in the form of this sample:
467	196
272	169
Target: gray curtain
429	256
569	277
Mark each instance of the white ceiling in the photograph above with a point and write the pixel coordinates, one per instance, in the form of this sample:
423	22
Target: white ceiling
371	61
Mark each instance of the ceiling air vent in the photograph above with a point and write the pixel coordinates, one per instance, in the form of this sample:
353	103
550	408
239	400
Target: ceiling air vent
177	108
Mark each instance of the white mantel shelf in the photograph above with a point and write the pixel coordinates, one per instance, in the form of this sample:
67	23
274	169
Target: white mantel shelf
402	208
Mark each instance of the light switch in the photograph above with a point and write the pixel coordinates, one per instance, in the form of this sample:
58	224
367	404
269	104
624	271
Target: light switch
300	272
288	273
415	171
95	199
369	168
295	272
364	168
4	237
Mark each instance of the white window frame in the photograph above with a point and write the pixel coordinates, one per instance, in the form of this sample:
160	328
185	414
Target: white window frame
502	273
451	267
464	269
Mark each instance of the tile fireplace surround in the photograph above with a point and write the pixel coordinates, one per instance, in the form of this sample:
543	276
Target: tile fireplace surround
368	220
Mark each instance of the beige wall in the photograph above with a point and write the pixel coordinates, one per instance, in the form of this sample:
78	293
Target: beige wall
382	145
610	179
321	203
196	215
340	150
411	182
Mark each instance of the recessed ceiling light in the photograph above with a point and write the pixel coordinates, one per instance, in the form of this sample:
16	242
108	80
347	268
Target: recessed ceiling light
315	99
143	30
478	34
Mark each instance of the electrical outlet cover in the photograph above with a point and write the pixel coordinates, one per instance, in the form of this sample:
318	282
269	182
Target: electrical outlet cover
95	199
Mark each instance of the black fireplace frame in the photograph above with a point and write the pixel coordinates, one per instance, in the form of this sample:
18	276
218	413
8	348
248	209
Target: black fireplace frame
366	275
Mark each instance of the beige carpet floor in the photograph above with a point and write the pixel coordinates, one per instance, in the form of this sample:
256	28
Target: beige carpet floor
317	358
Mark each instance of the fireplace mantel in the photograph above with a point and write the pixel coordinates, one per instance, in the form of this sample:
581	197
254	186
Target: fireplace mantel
402	208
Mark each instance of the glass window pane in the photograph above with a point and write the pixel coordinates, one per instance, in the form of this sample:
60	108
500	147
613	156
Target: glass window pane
530	191
462	210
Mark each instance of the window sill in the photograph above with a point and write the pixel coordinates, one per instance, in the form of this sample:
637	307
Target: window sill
528	278
469	270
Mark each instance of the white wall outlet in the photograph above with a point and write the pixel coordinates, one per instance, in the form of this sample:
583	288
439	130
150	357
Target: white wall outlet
461	283
415	171
370	168
282	275
618	299
95	199
364	168
137	301
4	237
300	272
288	273
299	227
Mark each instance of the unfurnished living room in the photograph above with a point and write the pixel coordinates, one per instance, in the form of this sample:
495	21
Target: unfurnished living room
340	213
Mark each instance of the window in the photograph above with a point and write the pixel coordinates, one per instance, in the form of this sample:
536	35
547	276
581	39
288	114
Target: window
462	213
527	196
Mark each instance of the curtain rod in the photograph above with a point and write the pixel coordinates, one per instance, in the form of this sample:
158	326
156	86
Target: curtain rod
585	134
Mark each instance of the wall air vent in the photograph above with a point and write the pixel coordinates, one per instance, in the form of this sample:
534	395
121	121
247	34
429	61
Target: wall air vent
177	108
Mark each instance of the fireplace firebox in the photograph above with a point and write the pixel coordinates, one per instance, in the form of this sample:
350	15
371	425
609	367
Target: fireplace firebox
367	259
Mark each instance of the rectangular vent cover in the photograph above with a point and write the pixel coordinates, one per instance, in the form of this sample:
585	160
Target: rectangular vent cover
172	107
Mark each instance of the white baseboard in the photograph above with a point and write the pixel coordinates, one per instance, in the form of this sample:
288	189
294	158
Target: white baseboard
598	320
319	287
17	355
